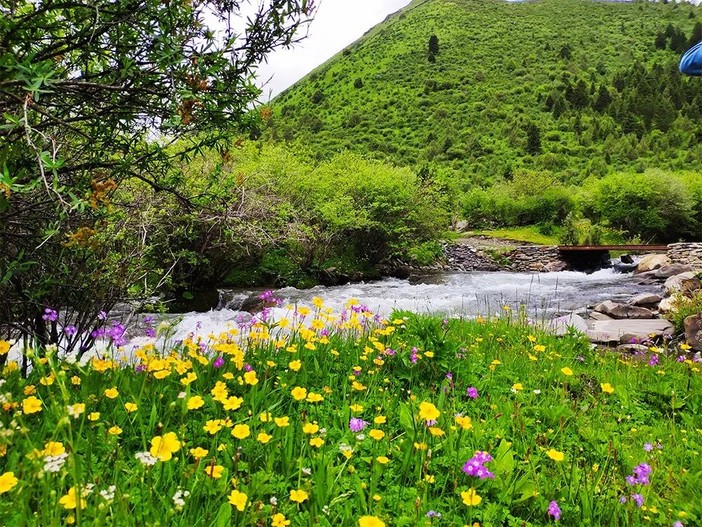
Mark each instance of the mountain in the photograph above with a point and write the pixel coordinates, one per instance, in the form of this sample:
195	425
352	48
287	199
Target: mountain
477	89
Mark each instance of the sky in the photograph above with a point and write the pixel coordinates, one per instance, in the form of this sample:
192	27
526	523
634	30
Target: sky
337	23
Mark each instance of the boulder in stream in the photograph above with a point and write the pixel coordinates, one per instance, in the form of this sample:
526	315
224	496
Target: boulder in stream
619	311
693	331
651	262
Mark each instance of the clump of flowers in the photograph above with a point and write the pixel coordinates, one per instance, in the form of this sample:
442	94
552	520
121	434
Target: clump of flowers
554	510
640	475
475	466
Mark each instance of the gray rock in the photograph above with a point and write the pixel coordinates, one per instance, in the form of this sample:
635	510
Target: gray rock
651	262
632	348
684	283
645	299
601	337
619	311
667	305
596	315
639	330
669	270
555	266
562	325
693	331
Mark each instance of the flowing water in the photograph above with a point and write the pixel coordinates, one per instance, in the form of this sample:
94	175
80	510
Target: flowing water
542	295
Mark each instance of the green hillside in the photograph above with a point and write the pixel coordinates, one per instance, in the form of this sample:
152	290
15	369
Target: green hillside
573	87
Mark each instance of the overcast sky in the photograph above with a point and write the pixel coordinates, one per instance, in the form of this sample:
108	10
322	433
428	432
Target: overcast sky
337	23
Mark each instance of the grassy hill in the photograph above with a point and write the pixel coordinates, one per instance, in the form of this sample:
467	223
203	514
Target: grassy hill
573	87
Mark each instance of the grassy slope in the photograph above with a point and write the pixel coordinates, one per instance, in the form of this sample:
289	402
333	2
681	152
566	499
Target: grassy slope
498	63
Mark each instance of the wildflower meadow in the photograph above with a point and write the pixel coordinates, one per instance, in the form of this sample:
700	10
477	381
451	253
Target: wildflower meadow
349	419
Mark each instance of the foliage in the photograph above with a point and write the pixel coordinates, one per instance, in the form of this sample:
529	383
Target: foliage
683	307
96	93
340	420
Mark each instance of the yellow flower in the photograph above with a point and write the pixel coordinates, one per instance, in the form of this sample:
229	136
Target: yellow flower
53	448
74	410
298	495
376	434
199	452
111	393
310	428
356	408
232	403
464	422
279	520
7	482
115	430
70	500
163	447
357	386
607	388
380	420
555	455
251	378
213	426
567	371
428	412
298	393
471	498
241	431
316	442
4	348
516	387
370	521
295	365
265	417
383	460
220	391
420	446
263	438
314	397
130	407
238	499
93	416
436	431
195	402
31	405
214	471
282	422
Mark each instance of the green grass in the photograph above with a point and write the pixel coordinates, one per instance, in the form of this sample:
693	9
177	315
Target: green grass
529	234
544	413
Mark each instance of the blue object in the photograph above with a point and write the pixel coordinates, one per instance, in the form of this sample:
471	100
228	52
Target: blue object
691	61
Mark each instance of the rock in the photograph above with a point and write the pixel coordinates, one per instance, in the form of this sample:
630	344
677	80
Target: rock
619	311
633	348
651	262
684	283
645	299
693	331
555	267
626	259
596	315
563	325
460	226
601	337
628	330
667	305
669	270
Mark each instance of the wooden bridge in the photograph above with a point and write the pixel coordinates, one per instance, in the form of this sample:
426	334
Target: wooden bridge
623	248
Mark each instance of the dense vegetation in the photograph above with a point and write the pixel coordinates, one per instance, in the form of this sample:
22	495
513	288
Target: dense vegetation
475	92
312	418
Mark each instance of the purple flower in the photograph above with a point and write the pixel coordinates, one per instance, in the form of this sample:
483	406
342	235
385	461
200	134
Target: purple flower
622	499
433	514
413	356
149	320
449	375
678	524
475	466
102	315
391	352
554	510
638	498
150	332
248	367
49	315
70	330
219	362
356	424
681	358
648	447
472	392
653	361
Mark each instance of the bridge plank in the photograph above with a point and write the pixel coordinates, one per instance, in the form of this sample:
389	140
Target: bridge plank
642	248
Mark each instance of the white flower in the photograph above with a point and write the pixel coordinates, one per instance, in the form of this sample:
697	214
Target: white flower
307	471
108	494
274	501
146	458
179	498
55	463
537	392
